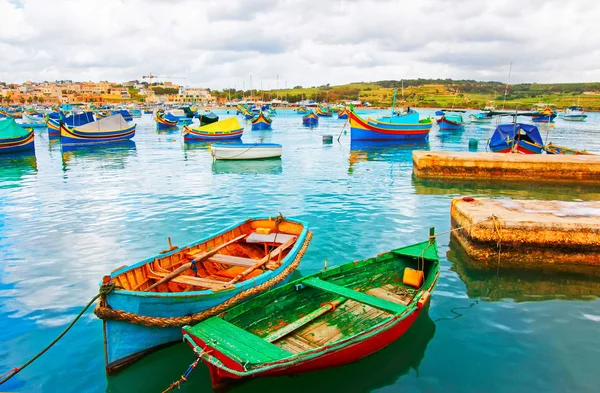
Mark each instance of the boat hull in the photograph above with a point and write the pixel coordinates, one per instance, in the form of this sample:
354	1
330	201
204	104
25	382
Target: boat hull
448	125
71	136
574	117
17	145
195	136
543	118
367	344
53	127
361	130
246	152
126	342
522	147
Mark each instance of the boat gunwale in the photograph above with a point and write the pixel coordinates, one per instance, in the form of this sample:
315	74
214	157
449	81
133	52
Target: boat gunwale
208	292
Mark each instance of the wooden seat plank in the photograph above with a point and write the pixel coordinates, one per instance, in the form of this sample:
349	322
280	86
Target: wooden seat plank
195	281
360	297
275	238
232	260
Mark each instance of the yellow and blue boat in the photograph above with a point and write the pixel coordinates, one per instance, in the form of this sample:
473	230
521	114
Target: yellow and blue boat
165	121
14	138
261	122
310	119
227	129
302	110
324	112
344	113
184	285
108	130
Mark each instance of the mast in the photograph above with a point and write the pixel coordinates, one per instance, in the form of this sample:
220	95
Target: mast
393	102
506	89
277	88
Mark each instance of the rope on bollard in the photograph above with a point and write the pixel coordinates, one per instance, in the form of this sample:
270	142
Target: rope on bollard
104	290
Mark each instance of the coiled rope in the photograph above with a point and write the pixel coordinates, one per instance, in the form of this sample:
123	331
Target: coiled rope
105	289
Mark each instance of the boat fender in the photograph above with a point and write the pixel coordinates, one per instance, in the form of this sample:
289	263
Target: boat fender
423	300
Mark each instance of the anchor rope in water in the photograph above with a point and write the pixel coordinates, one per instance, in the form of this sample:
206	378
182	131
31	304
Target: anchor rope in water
104	290
184	377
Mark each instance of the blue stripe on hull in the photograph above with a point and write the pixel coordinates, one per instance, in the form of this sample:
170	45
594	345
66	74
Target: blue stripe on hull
163	126
261	126
17	149
310	122
359	134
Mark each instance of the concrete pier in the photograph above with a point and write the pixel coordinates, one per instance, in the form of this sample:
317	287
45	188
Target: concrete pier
524	167
527	233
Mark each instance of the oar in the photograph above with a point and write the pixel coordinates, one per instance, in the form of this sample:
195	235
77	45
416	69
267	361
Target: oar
325	308
204	256
266	259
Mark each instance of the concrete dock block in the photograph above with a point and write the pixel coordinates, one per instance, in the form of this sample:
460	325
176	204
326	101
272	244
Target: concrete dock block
523	167
527	233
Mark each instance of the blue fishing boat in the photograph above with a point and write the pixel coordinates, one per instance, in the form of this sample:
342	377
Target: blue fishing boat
310	119
451	122
15	139
545	115
108	130
80	119
407	127
164	122
136	113
516	138
343	114
125	113
261	122
180	286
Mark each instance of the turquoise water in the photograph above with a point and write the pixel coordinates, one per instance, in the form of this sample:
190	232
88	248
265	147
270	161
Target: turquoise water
68	218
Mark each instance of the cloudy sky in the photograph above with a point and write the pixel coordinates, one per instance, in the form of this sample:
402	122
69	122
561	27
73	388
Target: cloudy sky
221	43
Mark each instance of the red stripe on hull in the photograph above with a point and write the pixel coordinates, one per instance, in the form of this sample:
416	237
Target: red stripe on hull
389	333
367	126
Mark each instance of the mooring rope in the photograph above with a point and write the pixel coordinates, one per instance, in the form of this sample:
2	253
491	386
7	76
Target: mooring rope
184	377
104	290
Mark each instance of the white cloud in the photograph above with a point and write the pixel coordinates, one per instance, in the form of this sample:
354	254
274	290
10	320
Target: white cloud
218	44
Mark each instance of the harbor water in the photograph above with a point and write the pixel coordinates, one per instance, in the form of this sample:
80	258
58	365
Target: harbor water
69	217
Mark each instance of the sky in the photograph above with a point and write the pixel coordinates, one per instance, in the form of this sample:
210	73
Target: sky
246	43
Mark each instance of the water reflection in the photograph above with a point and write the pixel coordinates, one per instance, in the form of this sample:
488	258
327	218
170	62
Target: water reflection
513	189
447	136
16	166
109	156
497	284
157	371
247	167
364	151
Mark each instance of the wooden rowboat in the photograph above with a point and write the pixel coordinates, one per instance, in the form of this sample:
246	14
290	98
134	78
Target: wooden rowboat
182	285
327	319
555	149
245	151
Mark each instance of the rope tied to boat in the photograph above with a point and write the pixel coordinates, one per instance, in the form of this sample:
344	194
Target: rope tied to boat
105	289
103	310
184	377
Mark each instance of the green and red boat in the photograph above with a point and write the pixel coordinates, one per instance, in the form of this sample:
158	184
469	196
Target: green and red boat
336	316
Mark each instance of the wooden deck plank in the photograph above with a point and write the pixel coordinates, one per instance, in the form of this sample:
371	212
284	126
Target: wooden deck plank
355	295
237	342
232	260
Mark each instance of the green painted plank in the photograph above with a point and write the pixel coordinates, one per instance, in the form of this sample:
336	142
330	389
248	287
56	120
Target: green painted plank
360	297
239	343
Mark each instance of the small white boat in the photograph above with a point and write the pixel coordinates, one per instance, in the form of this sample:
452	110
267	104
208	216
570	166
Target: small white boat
245	151
574	113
